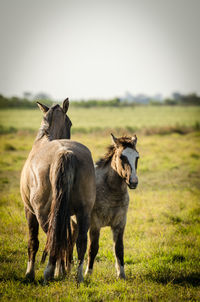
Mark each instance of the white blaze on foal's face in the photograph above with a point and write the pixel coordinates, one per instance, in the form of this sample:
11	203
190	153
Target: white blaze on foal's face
132	156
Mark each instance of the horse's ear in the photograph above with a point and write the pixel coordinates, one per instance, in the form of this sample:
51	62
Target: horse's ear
65	105
134	139
42	107
114	139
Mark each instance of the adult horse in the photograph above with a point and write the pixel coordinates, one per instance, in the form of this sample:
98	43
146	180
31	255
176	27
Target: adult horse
57	181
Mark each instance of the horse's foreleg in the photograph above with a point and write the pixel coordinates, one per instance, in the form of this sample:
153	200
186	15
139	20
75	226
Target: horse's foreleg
81	243
33	243
93	248
119	251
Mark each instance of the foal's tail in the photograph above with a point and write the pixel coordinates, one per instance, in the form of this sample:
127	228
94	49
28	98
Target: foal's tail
59	230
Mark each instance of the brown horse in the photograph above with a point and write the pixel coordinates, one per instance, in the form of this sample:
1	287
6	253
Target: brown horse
57	181
114	172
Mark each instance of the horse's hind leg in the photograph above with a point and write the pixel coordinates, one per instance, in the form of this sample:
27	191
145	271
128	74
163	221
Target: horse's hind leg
33	243
70	247
93	248
119	250
60	268
81	243
68	256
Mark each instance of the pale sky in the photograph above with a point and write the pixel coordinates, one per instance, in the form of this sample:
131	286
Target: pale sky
99	48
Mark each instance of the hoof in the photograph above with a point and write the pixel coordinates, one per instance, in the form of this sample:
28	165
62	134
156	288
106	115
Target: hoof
88	272
80	273
80	278
120	271
49	273
30	276
122	276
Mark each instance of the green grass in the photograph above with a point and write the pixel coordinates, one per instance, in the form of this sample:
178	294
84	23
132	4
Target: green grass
93	119
162	235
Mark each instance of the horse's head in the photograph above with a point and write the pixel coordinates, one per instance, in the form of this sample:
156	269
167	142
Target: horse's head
56	124
125	159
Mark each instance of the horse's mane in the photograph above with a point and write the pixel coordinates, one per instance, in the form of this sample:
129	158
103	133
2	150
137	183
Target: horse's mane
44	129
124	141
103	161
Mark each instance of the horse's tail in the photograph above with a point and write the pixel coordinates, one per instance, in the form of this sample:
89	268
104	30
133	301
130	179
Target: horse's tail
59	230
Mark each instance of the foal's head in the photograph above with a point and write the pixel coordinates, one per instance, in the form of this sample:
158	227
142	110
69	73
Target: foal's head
125	159
56	124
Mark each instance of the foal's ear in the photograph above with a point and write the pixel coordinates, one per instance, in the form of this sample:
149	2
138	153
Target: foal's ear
65	105
134	139
114	139
42	107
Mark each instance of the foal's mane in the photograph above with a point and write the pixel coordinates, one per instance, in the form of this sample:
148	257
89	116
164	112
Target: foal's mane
124	142
103	161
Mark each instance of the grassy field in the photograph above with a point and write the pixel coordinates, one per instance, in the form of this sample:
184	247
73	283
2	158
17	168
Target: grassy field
162	236
87	120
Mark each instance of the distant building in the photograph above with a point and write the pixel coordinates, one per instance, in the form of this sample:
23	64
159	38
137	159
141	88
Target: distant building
140	98
177	96
42	96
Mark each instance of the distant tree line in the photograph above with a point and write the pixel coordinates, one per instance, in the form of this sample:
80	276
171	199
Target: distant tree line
177	99
16	102
100	103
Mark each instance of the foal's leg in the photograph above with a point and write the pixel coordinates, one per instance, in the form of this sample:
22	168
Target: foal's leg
81	243
33	243
119	251
93	248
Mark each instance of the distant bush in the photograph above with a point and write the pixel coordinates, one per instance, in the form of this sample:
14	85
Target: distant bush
9	147
100	103
16	102
189	100
6	130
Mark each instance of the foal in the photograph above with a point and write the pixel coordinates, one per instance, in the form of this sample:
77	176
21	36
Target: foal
114	172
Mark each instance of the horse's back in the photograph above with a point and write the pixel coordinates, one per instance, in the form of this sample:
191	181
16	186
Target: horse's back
42	156
38	171
85	186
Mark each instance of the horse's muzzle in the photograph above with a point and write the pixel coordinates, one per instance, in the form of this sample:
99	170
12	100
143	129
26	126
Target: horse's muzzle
132	185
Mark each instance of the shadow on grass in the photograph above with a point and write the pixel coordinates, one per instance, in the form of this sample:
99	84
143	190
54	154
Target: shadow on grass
37	282
164	277
190	279
24	281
